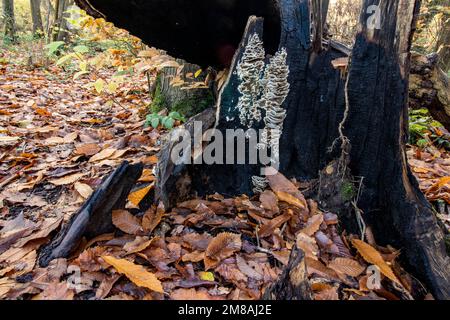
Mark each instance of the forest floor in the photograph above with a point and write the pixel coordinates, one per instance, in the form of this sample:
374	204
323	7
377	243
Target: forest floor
58	140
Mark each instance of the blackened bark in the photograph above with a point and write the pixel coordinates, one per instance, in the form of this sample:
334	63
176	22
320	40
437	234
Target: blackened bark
94	218
377	127
293	284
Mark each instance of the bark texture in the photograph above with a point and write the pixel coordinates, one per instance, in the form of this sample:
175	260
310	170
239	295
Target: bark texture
10	24
430	87
94	218
36	17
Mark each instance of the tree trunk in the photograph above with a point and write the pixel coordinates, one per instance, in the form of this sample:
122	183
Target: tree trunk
352	121
59	29
429	88
36	16
185	89
10	24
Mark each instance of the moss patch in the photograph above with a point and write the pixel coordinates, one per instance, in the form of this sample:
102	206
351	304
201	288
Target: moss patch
193	105
348	191
159	102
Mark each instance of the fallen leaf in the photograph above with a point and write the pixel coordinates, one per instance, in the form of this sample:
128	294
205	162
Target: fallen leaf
136	273
288	198
103	155
268	228
313	225
308	245
67	179
126	222
152	218
83	189
137	196
206	276
54	141
190	294
371	255
221	247
195	256
246	269
88	149
346	266
138	245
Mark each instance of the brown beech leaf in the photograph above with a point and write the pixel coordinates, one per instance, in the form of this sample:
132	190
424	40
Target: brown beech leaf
152	218
138	245
371	255
316	267
269	201
288	198
136	273
56	291
83	189
346	266
313	225
103	155
195	256
308	245
222	247
279	183
192	294
126	222
330	294
88	149
67	179
246	269
268	228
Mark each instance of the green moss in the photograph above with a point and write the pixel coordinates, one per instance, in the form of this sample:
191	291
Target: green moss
159	102
193	105
348	191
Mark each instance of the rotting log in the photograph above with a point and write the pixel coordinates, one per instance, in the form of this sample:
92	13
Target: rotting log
94	218
359	125
377	129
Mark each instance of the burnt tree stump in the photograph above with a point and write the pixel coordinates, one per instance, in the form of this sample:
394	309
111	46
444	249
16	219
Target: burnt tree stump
282	76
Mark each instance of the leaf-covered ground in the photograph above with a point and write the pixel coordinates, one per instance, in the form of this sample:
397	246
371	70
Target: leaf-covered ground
58	140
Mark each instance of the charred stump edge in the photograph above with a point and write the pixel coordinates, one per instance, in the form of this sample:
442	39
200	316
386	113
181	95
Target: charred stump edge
94	218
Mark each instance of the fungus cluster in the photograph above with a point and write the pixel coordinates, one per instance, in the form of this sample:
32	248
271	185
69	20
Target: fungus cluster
263	90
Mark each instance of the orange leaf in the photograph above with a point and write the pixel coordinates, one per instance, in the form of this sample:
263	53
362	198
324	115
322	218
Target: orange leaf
137	196
136	273
371	255
286	197
83	189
